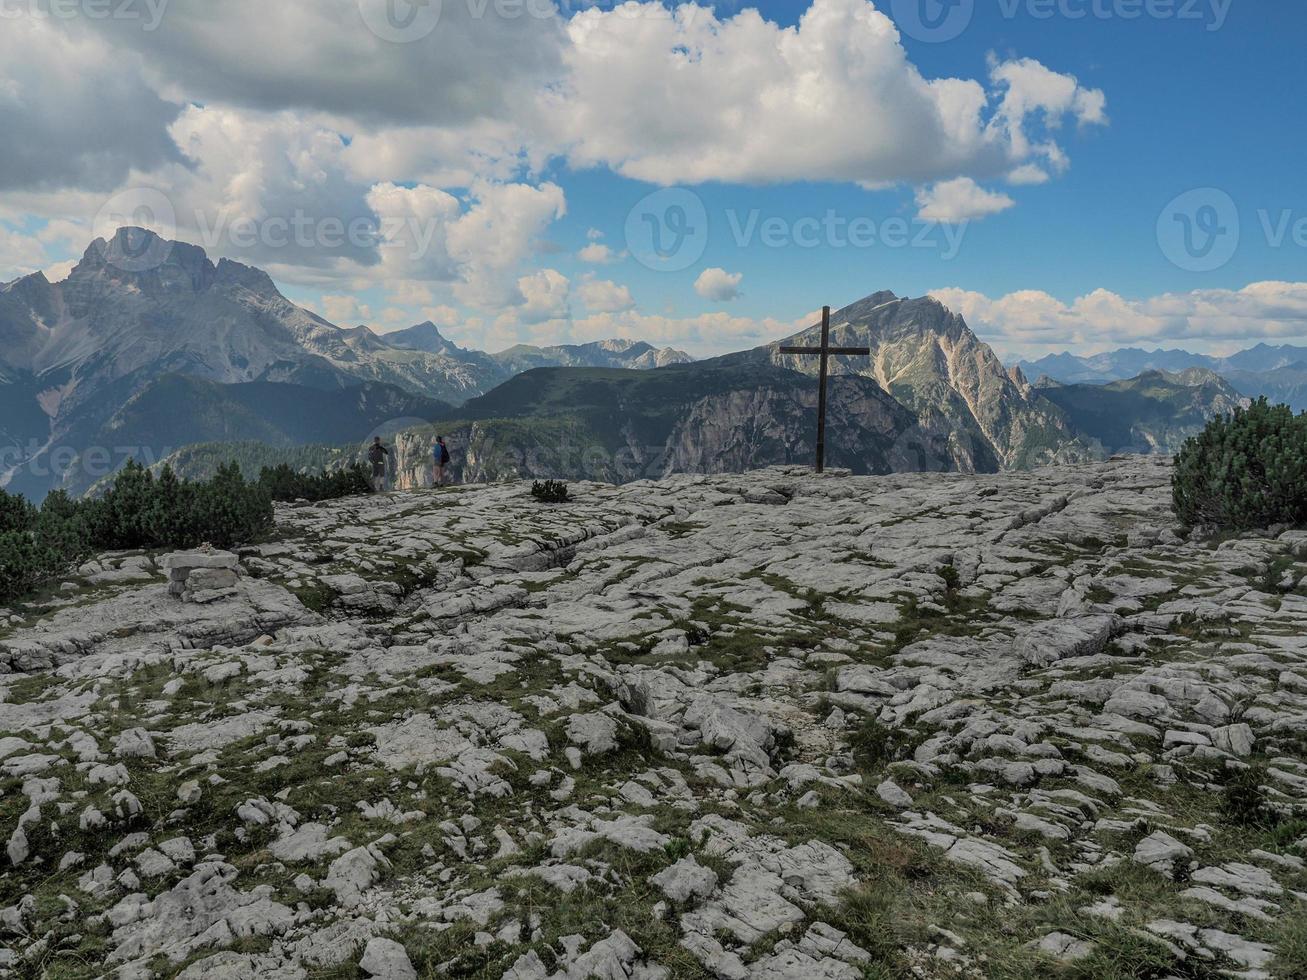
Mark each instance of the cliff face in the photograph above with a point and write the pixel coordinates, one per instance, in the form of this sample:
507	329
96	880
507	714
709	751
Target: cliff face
931	362
866	432
772	422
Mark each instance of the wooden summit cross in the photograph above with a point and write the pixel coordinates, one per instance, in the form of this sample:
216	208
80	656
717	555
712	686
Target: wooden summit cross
825	351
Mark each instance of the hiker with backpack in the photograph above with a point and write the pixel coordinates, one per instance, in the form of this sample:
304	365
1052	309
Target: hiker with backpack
377	456
440	454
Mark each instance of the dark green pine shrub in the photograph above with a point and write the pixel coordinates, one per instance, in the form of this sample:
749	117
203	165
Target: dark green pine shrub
138	511
16	514
1246	470
550	492
286	484
37	546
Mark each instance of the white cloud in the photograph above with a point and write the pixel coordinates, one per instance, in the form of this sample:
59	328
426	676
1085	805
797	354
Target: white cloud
604	296
1033	322
719	285
545	296
74	112
955	201
496	235
443	316
1029	173
409	293
345	311
445	141
596	253
474	65
684	96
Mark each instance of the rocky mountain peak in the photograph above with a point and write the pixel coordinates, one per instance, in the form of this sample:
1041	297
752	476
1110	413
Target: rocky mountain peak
927	357
36	280
139	257
425	336
246	276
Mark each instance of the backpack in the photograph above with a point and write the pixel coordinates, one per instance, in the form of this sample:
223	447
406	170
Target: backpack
442	452
377	454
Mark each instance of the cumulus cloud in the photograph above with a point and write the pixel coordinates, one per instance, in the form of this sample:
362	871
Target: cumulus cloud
74	113
344	310
323	56
437	152
604	296
597	253
497	234
1033	322
719	285
545	296
1028	173
962	199
683	96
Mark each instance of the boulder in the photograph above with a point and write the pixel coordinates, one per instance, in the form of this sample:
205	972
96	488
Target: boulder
203	575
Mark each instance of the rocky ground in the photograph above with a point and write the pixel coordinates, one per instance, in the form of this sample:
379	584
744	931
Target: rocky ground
767	725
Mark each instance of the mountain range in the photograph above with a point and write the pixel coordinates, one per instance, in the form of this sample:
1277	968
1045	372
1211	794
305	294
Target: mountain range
152	359
93	361
1154	412
1279	373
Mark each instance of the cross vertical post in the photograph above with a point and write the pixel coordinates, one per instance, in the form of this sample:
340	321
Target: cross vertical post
821	389
825	351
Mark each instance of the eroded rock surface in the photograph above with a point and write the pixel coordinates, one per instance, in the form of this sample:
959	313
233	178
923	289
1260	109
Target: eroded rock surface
767	725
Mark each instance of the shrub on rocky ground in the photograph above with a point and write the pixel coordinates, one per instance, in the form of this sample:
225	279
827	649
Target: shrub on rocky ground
1245	470
286	484
550	492
38	546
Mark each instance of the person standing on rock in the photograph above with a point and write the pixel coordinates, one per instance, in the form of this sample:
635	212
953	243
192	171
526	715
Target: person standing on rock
441	455
377	456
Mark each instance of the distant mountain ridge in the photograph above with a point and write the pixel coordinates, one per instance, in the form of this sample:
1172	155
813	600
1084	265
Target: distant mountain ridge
137	309
636	355
144	357
1155	412
1279	373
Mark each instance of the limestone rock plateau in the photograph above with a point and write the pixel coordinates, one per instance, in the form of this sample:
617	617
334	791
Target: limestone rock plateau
764	725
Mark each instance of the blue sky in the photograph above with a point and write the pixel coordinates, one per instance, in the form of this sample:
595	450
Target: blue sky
1040	195
1203	100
